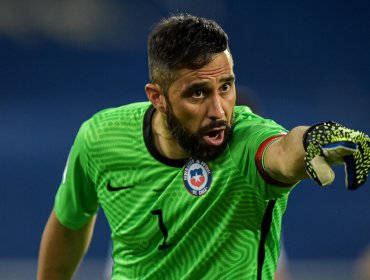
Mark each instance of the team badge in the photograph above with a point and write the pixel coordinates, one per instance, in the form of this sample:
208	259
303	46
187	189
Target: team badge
197	177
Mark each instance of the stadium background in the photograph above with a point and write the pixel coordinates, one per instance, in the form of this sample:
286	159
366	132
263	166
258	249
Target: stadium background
62	61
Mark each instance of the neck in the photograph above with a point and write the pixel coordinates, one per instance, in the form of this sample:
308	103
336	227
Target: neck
163	140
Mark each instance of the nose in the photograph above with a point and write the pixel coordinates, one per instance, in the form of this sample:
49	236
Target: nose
216	110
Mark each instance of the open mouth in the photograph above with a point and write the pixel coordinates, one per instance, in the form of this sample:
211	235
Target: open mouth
215	137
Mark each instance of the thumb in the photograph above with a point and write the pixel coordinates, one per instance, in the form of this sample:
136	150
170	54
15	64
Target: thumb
323	171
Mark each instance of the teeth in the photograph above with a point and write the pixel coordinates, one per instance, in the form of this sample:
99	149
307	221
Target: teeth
214	134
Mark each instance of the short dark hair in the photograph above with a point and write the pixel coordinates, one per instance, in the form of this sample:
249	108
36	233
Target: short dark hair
182	41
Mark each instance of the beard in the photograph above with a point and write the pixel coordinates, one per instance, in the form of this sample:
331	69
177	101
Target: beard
193	143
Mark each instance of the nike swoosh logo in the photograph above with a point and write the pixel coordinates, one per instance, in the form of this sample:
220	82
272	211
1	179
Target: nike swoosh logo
112	189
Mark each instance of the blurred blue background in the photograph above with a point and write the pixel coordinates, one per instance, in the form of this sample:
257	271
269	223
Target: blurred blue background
62	61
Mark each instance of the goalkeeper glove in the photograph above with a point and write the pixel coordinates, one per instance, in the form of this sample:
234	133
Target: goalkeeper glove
330	143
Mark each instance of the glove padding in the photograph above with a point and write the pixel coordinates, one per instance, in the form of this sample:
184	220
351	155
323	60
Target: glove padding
330	143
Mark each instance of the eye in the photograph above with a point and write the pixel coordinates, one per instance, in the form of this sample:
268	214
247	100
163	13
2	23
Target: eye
225	88
198	94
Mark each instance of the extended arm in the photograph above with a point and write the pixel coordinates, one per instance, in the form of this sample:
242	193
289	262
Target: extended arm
62	249
312	150
284	158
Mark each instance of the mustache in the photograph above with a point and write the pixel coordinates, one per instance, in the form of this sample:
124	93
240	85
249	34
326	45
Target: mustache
214	124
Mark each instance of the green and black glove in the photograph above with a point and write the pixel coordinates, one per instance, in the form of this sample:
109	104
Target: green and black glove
330	143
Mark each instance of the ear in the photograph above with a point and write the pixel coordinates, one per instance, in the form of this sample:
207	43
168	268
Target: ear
155	95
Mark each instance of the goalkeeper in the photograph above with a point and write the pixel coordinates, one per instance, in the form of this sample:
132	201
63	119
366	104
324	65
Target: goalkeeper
193	187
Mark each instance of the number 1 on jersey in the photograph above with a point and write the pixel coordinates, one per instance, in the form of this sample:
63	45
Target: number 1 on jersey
163	228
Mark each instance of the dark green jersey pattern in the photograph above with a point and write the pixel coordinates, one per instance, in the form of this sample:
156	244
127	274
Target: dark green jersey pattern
160	230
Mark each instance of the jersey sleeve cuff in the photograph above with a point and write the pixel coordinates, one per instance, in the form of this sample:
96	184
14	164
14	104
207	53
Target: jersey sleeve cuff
73	224
259	162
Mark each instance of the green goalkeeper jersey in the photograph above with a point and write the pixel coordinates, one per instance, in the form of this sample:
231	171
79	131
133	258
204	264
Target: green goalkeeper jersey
176	219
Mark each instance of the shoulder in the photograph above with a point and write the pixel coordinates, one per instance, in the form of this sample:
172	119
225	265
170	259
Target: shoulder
122	116
112	123
252	128
245	119
127	112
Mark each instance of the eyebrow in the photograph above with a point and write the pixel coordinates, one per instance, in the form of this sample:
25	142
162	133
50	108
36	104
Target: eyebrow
230	78
201	85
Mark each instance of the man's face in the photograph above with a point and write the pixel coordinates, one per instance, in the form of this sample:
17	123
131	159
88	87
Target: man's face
200	106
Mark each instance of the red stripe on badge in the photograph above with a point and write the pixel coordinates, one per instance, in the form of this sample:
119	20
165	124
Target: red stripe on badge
258	160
